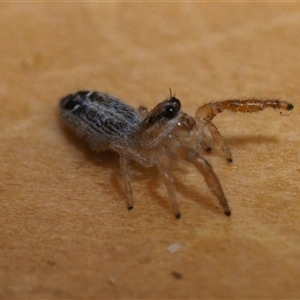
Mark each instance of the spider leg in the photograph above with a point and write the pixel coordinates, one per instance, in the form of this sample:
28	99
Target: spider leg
126	180
200	139
204	146
210	110
164	171
143	110
205	114
218	138
210	177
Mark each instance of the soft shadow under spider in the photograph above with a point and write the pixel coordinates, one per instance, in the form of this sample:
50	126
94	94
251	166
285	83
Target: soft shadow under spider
195	195
153	182
106	159
138	174
110	160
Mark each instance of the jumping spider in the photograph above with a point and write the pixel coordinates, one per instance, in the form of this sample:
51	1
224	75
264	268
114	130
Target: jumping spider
150	138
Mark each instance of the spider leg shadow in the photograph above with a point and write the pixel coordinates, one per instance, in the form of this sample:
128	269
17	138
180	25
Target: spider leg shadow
209	202
110	160
102	159
195	195
250	139
183	190
236	142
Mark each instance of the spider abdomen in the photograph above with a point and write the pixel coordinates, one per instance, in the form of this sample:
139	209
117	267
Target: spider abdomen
99	118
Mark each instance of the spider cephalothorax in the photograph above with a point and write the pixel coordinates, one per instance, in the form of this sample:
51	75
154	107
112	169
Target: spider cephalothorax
151	138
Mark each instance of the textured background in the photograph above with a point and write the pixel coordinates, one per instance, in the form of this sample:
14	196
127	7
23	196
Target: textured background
64	228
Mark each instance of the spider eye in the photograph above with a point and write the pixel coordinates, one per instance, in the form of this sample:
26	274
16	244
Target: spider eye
172	108
170	112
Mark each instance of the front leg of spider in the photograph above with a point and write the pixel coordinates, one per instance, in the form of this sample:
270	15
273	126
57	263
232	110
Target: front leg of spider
209	175
205	114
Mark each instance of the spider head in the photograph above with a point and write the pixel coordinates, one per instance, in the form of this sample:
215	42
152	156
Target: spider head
160	122
162	113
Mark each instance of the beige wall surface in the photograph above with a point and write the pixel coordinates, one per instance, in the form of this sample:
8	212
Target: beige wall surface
64	228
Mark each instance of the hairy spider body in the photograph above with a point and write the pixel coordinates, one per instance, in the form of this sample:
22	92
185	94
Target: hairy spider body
149	138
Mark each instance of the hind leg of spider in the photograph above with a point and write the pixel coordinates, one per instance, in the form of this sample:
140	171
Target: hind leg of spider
126	181
210	177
